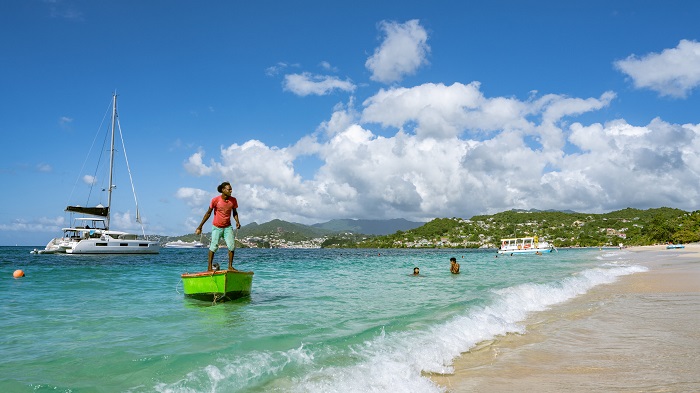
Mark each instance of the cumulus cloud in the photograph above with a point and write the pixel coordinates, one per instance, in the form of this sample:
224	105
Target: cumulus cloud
403	50
444	150
42	224
306	83
89	180
343	116
195	165
328	67
124	221
674	72
276	69
194	197
448	151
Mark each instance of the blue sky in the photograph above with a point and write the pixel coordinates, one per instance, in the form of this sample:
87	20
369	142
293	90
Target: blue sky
316	110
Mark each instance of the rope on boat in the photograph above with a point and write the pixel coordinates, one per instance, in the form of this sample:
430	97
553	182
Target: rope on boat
223	291
131	180
217	298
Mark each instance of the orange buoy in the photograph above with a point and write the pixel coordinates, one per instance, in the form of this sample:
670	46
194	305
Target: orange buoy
18	273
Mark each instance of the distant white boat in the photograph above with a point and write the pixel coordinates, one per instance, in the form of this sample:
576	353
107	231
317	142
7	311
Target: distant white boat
524	245
92	235
181	244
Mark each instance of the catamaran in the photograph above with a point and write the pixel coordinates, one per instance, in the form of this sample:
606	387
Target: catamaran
93	235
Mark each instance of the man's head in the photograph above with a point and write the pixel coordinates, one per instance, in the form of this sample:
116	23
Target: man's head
225	186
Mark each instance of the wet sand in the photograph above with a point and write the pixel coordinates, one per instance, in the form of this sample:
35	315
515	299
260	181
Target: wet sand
639	334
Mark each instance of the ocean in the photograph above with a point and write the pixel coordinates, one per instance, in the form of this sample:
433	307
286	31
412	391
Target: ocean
317	320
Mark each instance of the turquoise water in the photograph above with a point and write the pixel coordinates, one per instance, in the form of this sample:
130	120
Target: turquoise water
316	321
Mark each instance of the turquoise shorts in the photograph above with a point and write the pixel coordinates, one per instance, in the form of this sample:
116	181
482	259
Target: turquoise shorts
217	233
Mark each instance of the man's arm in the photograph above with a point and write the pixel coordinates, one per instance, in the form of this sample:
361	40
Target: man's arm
206	217
235	217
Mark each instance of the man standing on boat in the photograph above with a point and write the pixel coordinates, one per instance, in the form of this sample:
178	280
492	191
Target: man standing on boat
224	206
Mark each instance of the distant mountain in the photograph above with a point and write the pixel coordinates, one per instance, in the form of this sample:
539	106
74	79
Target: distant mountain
279	226
291	230
545	211
369	227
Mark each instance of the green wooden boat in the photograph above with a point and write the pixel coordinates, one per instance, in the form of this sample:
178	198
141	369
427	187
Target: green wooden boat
217	286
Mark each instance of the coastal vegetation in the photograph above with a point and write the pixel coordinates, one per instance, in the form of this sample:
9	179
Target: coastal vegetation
626	227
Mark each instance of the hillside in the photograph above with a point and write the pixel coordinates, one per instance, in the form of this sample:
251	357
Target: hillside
627	226
369	227
282	227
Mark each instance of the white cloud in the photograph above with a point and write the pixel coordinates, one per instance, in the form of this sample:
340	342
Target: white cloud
194	197
195	165
123	221
89	180
673	72
306	83
65	122
42	224
328	67
440	111
343	116
402	52
468	154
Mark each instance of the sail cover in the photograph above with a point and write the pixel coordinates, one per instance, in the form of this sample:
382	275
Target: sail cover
93	211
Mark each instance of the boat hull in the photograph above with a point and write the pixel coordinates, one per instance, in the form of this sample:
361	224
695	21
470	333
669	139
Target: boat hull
524	245
525	251
218	285
181	244
113	246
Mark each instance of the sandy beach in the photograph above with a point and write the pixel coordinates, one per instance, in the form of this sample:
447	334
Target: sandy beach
639	334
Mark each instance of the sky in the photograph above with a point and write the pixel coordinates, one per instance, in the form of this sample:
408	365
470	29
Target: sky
320	110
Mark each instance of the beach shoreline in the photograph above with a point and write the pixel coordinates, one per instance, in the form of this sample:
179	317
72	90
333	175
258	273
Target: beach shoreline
638	334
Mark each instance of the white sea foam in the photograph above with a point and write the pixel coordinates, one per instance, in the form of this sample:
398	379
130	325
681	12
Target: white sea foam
395	362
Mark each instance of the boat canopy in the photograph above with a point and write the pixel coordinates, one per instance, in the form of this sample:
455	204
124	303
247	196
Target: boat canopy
93	211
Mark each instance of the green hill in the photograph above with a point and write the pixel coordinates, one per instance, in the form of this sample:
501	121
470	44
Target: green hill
287	230
564	229
369	227
627	226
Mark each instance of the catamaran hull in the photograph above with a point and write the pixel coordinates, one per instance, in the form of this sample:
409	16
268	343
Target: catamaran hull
96	246
218	285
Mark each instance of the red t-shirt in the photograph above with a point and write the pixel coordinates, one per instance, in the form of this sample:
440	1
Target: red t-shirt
222	210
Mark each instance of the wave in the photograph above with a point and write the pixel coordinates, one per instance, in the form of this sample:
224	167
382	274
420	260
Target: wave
397	361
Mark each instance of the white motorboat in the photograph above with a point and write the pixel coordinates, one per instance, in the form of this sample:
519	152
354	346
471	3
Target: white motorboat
524	245
93	235
180	244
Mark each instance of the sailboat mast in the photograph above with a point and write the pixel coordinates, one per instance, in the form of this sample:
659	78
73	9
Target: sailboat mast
111	160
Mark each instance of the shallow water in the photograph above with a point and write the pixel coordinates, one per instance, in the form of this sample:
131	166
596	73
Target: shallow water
637	335
316	321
